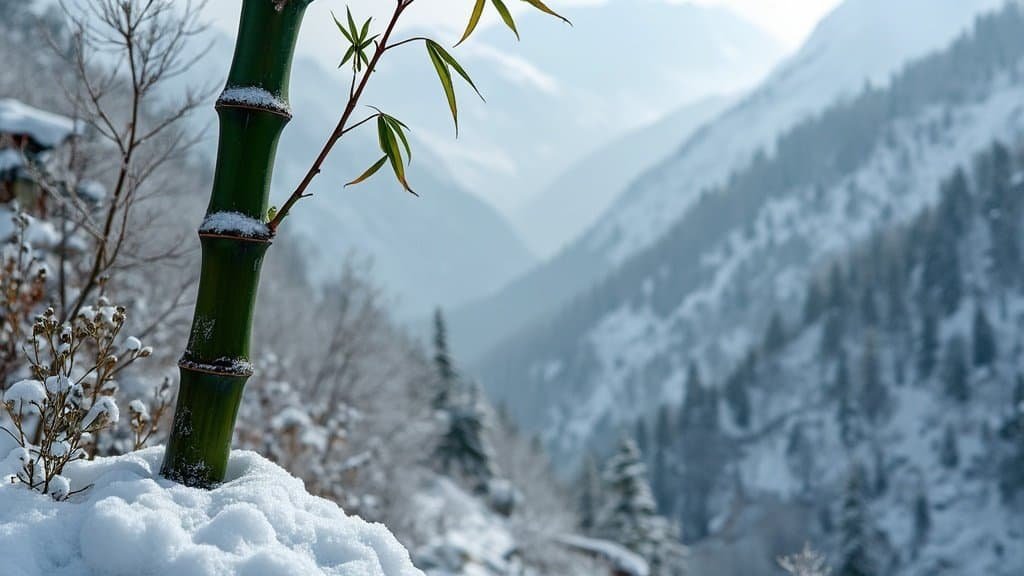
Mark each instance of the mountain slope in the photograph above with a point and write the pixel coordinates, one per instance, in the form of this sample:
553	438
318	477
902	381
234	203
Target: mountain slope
562	93
575	200
837	60
705	291
904	365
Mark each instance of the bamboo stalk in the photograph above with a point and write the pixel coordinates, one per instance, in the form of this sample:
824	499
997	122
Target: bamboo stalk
252	112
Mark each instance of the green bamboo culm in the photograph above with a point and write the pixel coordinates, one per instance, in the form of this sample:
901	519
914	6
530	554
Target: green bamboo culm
252	112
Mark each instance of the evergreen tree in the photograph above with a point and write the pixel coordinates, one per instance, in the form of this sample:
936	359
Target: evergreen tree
954	370
928	343
800	456
984	339
814	304
775	334
446	376
922	520
590	496
463	450
874	396
949	452
737	397
631	517
833	331
855	530
663	493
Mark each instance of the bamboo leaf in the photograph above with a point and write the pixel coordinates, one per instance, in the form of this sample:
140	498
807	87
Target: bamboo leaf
474	19
398	128
453	63
506	16
348	55
342	28
392	152
353	29
369	172
446	82
539	5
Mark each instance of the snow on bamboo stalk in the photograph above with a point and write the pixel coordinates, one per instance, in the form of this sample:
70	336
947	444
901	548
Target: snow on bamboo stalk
253	110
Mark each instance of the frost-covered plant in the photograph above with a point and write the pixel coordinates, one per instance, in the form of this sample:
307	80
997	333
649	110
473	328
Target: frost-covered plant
57	415
23	276
806	563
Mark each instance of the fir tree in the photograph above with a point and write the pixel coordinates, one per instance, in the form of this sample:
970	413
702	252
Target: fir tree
954	370
446	376
590	496
775	334
631	517
928	343
873	394
922	520
855	531
949	453
737	397
984	339
463	450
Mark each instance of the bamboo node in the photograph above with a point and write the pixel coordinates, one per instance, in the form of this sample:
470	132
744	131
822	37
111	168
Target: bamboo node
239	367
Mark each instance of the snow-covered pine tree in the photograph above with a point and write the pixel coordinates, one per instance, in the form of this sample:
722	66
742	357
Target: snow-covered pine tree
855	531
954	370
984	339
463	449
590	496
630	516
446	376
949	453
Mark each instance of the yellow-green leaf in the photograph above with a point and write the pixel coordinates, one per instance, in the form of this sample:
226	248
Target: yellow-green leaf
539	5
506	16
392	152
452	62
369	172
446	82
474	19
342	28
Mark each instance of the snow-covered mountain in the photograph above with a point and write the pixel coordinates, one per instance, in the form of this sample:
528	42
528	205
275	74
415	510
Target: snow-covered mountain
584	191
902	369
563	93
861	41
705	290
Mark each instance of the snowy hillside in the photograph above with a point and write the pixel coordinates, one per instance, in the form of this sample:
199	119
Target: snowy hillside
887	414
861	41
575	200
705	291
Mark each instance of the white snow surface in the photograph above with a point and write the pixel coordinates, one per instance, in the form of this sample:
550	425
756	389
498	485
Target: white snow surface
618	555
253	96
46	128
259	522
861	41
220	222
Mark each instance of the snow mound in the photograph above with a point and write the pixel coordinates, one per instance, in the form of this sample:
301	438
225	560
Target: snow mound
131	521
46	128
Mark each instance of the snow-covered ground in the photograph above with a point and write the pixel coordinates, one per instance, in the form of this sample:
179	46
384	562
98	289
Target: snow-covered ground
130	521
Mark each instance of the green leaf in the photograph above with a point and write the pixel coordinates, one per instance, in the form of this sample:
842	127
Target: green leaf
474	19
446	82
398	128
342	28
369	172
353	29
391	151
539	5
506	16
451	61
348	55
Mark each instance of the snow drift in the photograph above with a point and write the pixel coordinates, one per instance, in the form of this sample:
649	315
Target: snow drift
261	521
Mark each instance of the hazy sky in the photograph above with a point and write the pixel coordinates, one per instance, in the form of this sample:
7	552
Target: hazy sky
789	20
